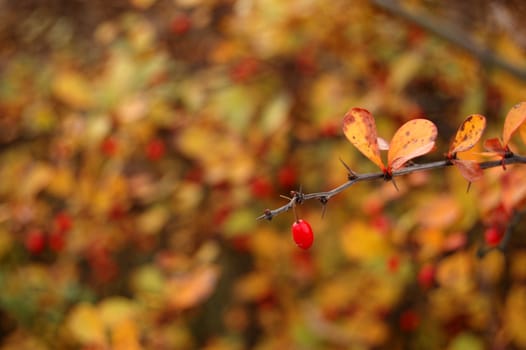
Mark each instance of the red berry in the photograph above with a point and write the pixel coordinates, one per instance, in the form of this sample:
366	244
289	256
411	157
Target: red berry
302	234
493	236
181	24
57	241
109	146
35	242
155	149
63	222
306	62
244	70
409	320
426	276
381	222
260	187
287	177
221	215
329	129
393	263
117	212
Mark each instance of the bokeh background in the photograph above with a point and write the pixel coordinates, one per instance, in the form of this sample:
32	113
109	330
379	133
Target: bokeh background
140	139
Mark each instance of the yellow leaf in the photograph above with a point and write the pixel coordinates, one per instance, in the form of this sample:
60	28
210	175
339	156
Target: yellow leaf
125	336
275	114
492	266
362	242
85	324
515	315
72	88
431	241
252	287
36	179
6	241
62	183
403	69
153	220
147	279
334	295
266	243
196	141
142	4
518	265
115	310
455	272
186	196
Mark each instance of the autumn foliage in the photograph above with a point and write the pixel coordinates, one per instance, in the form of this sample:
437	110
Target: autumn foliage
141	139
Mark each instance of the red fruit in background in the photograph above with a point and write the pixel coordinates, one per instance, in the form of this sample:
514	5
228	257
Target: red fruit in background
393	263
35	242
373	206
415	35
63	222
241	243
244	70
221	214
260	187
330	129
109	146
493	236
409	320
381	222
287	177
306	62
181	24
194	175
155	149
426	276
117	212
302	234
57	241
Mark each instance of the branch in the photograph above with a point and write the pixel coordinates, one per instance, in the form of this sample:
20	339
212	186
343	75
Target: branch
297	197
454	35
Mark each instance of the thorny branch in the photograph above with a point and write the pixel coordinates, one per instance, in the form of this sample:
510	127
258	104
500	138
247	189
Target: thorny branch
298	197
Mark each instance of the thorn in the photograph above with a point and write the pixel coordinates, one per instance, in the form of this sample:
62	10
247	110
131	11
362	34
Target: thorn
351	175
503	163
324	202
394	184
285	197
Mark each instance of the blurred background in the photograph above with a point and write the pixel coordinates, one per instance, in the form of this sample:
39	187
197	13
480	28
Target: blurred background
140	139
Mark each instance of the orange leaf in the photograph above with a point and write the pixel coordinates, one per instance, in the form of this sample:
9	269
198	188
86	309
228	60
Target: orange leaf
494	145
513	188
125	336
414	138
469	169
360	129
522	132
515	315
515	118
468	134
190	289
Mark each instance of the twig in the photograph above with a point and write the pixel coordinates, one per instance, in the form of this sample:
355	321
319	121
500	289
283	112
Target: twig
323	197
454	35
